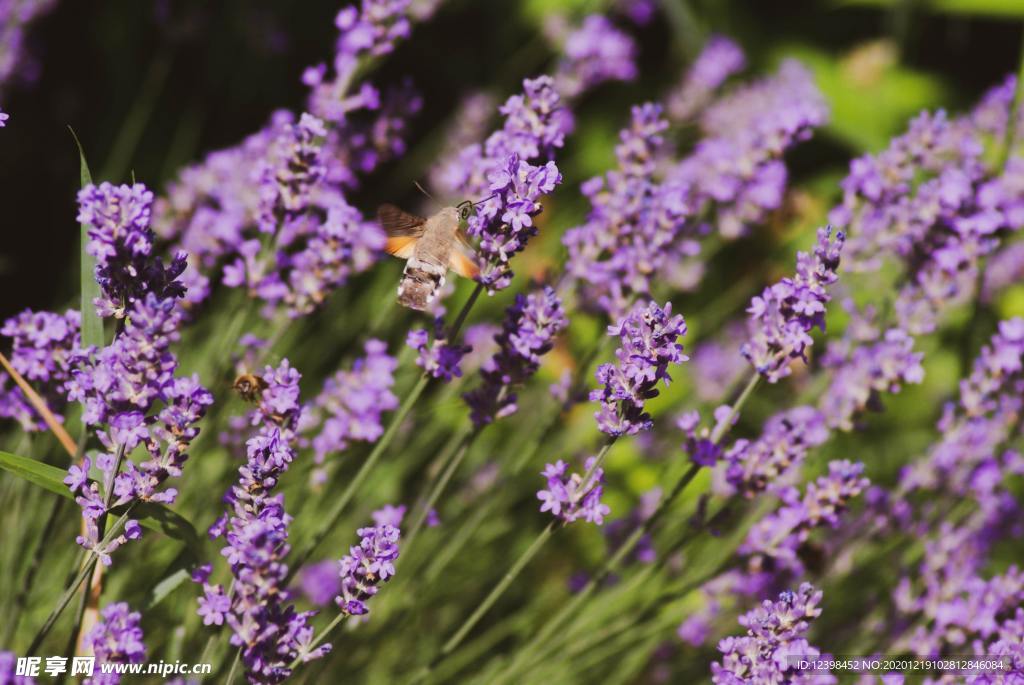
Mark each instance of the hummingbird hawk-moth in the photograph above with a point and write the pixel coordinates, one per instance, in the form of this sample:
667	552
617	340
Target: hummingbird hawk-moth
430	247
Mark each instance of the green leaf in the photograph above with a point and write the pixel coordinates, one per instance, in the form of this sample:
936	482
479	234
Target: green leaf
176	573
92	324
45	476
1006	9
153	516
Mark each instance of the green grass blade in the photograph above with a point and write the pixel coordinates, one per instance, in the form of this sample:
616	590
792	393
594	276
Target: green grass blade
43	475
92	324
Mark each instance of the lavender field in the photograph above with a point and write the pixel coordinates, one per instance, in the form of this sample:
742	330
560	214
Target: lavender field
453	341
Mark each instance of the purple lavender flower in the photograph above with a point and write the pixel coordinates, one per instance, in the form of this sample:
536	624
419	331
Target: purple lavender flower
320	583
736	175
115	639
698	445
575	496
319	239
719	59
775	632
1003	269
503	168
389	515
8	670
269	633
930	201
350	405
632	222
998	369
41	347
371	31
504	221
133	397
881	367
366	143
640	12
439	358
593	53
121	241
782	317
291	171
368	565
271	211
751	466
970	458
528	333
481	338
4	116
16	64
717	364
648	335
780	535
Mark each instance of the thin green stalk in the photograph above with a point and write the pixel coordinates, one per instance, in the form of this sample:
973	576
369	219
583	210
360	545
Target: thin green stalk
83	604
724	427
70	591
332	519
234	667
133	125
319	638
95	586
21	599
568	610
498	590
579	384
453	333
439	486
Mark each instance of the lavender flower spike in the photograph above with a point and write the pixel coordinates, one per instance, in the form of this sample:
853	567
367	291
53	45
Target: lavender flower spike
9	670
529	330
115	639
439	358
350	406
366	567
42	344
719	59
775	631
595	52
503	170
571	498
648	346
4	116
270	632
121	240
782	317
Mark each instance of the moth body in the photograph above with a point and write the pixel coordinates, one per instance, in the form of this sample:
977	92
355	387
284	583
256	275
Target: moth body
430	247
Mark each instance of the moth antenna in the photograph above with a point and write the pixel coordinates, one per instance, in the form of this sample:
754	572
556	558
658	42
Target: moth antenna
417	184
493	195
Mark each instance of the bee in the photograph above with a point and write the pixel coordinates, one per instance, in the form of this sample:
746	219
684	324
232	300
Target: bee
430	247
249	386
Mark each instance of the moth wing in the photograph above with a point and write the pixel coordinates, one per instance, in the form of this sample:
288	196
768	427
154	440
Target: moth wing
401	246
397	223
463	259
